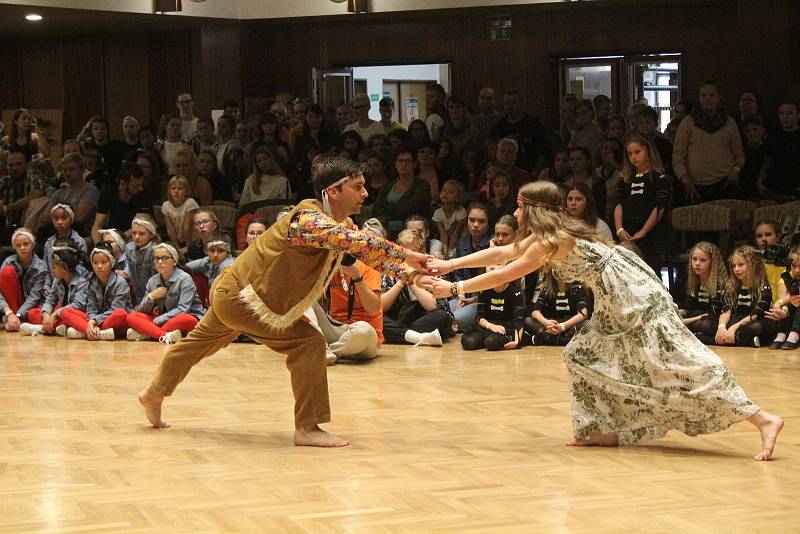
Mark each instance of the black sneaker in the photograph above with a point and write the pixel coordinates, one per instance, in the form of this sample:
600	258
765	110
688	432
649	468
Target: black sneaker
788	345
776	345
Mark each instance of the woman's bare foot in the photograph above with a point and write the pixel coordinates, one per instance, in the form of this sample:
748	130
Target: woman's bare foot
152	407
596	439
316	437
769	426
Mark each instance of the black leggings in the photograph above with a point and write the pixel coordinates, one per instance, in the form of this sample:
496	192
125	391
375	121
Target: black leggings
763	329
541	337
705	329
481	338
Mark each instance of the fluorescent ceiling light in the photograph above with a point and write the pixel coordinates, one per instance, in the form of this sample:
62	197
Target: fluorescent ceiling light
33	17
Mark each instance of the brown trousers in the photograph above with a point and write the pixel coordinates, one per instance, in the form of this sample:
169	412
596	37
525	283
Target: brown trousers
226	319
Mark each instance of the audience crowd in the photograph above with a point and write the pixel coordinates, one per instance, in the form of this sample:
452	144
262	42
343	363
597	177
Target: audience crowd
122	238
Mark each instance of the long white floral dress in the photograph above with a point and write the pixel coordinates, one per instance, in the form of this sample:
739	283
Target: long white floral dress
635	369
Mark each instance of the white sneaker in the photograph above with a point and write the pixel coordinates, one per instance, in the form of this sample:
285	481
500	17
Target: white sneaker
330	358
133	335
28	329
106	335
74	333
61	330
171	338
431	339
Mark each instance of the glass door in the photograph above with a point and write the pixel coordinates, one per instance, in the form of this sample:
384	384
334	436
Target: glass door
656	80
332	87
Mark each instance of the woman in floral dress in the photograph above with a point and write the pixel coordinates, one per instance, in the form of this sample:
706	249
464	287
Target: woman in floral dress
636	371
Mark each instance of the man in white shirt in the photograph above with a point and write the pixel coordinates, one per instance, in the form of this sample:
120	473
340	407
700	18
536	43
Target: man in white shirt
188	120
364	126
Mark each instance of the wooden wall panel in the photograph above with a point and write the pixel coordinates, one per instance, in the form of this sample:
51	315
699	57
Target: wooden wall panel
126	79
221	64
84	82
10	75
42	74
169	71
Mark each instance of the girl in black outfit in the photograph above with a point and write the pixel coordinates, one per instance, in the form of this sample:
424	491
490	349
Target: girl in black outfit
501	312
748	296
644	196
705	291
558	312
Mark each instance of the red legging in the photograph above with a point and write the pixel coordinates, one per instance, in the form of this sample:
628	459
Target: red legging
77	319
11	288
201	283
143	323
35	316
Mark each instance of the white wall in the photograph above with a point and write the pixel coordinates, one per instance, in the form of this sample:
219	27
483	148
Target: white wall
376	75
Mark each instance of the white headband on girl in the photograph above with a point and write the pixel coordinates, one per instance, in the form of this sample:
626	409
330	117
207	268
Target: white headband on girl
105	252
67	209
24	233
115	235
169	248
224	245
150	227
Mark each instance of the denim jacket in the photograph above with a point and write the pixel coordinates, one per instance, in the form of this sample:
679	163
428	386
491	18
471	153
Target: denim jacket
181	298
32	284
206	268
140	267
78	242
99	301
77	292
464	248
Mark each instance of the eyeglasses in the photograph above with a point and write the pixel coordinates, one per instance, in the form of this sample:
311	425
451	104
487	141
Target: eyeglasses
203	222
162	258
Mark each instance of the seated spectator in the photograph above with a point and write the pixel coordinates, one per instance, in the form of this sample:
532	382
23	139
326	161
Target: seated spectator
603	108
411	314
766	234
487	115
560	171
82	197
363	125
477	238
644	194
104	312
139	254
505	229
580	204
431	246
398	138
344	116
748	297
154	184
780	169
170	305
528	133
499	319
451	217
130	139
69	286
205	223
428	169
446	160
567	117
62	217
23	138
149	141
204	137
499	198
377	142
178	210
406	196
205	270
230	159
558	312
221	188
189	123
242	133
96	135
386	108
354	295
172	142
506	162
268	135
617	127
22	279
116	244
311	131
267	181
95	172
755	152
202	191
376	176
609	173
580	161
584	132
17	189
785	308
350	145
705	291
461	132
118	206
680	110
707	156
435	98
647	125
419	132
254	228
469	169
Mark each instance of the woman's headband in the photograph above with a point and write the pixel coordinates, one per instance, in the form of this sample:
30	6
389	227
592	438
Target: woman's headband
169	248
107	253
537	204
150	227
23	233
67	209
224	245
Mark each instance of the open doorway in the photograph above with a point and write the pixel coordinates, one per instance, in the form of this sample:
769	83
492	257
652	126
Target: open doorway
405	84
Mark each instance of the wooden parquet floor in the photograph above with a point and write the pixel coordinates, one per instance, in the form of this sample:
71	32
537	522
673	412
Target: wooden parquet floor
442	441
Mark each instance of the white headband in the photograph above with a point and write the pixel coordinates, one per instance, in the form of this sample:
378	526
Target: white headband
115	235
224	245
66	207
169	248
105	252
150	227
326	206
24	233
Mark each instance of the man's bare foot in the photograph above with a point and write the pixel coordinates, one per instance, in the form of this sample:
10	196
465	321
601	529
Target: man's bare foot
596	439
152	407
769	426
316	437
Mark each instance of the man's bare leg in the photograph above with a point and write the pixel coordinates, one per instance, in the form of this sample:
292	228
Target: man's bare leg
314	436
152	400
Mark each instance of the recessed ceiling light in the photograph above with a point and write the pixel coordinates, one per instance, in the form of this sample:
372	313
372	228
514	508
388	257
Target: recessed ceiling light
33	17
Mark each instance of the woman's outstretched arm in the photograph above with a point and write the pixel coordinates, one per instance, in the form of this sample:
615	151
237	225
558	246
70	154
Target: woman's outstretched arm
483	258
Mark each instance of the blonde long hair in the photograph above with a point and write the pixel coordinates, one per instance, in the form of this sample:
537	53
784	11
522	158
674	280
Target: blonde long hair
716	276
549	223
756	275
656	165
